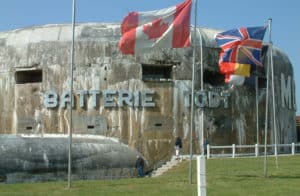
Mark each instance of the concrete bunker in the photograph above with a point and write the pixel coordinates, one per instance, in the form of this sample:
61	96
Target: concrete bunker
34	61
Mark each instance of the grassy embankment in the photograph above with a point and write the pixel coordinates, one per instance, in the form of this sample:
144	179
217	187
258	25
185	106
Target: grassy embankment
243	176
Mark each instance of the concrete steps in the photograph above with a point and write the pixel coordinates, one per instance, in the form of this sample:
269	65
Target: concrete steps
168	165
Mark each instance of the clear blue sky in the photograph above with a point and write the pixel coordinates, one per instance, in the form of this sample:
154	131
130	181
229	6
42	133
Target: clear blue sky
211	13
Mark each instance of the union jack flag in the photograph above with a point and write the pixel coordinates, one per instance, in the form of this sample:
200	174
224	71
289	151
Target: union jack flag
240	50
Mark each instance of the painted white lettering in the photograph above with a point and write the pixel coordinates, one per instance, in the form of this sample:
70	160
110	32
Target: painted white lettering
137	101
66	98
50	99
94	94
225	96
125	96
147	100
201	99
211	99
108	96
82	95
214	99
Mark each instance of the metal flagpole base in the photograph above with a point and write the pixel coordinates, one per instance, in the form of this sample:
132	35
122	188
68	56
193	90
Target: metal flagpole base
201	175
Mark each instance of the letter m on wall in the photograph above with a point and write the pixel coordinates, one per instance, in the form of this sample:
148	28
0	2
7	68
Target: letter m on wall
286	92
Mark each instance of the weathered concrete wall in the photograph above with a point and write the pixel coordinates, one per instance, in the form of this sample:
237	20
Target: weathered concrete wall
100	66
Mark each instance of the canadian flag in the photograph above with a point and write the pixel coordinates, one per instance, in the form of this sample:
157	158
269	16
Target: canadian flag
165	28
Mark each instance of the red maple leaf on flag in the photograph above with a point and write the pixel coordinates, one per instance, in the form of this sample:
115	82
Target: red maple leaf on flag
156	29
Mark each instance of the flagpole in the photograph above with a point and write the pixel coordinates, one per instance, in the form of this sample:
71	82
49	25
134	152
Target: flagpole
267	103
192	94
273	96
71	95
201	162
256	102
202	89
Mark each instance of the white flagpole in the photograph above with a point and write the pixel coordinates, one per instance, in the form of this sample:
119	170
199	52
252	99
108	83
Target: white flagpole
201	162
201	165
267	103
71	95
202	89
256	102
273	96
192	94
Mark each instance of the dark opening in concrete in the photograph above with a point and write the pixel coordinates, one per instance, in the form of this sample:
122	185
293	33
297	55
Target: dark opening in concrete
156	72
30	76
158	124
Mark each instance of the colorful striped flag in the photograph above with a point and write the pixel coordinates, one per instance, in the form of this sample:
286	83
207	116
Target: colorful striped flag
240	51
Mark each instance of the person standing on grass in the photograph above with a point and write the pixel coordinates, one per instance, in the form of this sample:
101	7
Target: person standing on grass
178	146
139	165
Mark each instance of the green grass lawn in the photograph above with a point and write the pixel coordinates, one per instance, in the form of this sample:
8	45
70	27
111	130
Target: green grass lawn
241	176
